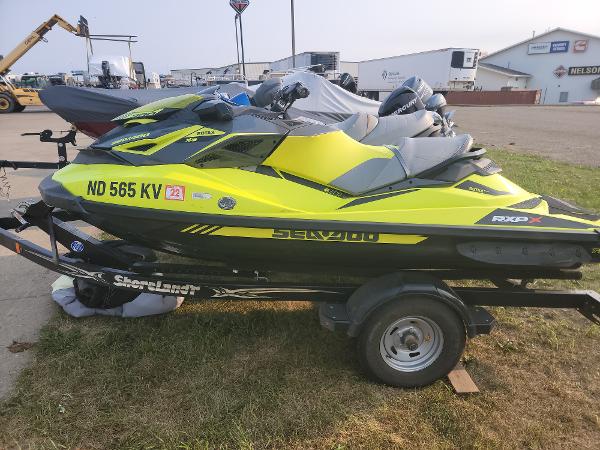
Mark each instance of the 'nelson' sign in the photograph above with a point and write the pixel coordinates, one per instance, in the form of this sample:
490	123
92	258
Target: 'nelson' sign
584	70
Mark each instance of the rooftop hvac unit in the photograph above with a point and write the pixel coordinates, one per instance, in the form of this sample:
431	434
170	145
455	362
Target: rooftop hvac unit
596	84
330	61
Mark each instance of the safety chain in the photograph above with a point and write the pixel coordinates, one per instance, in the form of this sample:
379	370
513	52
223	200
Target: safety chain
4	184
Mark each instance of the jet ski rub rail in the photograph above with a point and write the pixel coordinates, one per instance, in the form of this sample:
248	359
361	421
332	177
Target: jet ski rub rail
250	285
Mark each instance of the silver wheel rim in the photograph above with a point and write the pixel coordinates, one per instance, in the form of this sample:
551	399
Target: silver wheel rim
411	344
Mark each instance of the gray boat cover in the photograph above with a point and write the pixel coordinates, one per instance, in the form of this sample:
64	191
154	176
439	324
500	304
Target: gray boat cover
327	102
75	104
144	304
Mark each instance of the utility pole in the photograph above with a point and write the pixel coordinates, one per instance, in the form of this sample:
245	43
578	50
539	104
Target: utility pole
242	44
239	6
293	36
237	41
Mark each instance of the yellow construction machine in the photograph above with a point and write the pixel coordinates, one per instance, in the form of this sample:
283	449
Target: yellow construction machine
15	99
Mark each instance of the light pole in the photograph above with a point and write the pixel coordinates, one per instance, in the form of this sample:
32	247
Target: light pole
242	44
293	36
239	6
237	40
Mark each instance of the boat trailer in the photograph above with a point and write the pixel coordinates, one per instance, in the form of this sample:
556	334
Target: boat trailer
91	259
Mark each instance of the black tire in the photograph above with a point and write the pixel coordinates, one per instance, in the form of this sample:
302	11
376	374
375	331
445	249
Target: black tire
371	335
96	295
7	104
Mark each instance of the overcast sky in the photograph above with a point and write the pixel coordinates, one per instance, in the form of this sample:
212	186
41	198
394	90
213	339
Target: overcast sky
200	33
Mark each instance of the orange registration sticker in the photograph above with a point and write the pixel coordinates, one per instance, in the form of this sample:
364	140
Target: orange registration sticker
174	192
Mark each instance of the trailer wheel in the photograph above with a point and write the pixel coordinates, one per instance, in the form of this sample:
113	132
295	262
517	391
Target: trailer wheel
411	342
7	104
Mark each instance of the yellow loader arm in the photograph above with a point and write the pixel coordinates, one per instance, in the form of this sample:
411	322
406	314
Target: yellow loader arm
13	99
37	35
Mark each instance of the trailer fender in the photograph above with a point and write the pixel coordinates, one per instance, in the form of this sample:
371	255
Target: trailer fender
395	286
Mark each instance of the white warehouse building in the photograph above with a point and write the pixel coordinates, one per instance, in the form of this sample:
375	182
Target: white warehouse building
563	64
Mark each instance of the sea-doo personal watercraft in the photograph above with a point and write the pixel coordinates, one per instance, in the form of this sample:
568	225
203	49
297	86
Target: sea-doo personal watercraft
196	176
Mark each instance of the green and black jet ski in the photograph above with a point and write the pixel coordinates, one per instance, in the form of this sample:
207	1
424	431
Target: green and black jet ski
196	176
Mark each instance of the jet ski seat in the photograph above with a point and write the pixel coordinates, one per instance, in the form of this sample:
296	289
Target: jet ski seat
372	130
389	129
358	125
420	155
412	158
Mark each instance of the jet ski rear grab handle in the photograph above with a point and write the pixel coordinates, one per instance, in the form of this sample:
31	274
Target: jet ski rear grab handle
92	260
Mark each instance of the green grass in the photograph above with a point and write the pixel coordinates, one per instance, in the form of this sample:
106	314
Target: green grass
266	375
578	184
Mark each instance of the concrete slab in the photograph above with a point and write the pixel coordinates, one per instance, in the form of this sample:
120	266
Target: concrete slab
25	303
21	318
25	306
563	133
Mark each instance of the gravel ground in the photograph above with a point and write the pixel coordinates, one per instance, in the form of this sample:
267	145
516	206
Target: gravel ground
564	133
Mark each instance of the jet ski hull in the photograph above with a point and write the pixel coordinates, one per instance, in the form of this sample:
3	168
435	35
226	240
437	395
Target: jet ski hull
274	247
273	243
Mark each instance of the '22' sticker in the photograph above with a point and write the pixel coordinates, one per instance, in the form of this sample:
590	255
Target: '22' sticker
174	192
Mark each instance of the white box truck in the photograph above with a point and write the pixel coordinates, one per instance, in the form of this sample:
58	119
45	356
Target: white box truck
448	69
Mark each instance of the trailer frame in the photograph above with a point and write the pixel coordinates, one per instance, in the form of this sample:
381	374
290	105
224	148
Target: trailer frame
344	305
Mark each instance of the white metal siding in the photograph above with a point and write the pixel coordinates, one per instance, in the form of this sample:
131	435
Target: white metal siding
349	67
542	66
489	80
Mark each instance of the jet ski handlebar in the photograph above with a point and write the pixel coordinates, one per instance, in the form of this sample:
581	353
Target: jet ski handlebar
286	97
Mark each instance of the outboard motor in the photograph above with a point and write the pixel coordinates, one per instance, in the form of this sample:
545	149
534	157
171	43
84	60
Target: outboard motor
437	103
419	85
106	78
401	101
348	83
